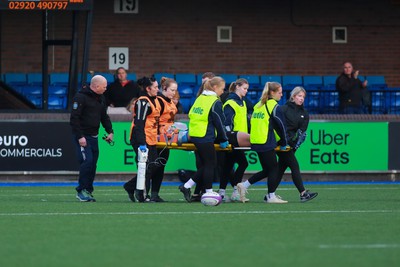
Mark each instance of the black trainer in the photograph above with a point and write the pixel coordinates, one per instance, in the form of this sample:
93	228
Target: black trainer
139	194
186	193
156	199
195	198
307	195
131	194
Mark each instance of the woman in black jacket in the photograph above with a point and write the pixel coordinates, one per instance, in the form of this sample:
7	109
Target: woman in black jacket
297	119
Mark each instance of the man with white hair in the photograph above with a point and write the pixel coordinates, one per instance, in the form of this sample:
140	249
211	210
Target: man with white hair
89	109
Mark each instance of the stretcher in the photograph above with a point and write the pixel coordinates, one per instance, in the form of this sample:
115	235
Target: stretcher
192	147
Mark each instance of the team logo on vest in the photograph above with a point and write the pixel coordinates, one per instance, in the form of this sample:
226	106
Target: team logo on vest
198	110
258	115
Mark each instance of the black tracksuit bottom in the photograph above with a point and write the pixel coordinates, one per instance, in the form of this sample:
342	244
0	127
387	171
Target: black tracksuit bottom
288	159
270	169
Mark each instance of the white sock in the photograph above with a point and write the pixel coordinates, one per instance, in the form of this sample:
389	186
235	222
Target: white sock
221	192
209	190
246	184
234	190
189	183
271	195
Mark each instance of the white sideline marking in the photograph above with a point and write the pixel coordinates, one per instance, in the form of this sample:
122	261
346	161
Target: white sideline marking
359	246
192	212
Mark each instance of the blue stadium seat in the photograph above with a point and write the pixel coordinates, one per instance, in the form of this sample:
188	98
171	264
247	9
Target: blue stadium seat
199	77
132	76
59	79
251	79
31	90
57	90
57	102
313	82
376	82
255	87
378	102
291	81
330	102
187	84
36	100
229	78
35	79
270	78
329	82
313	102
159	75
187	78
13	79
394	101
186	104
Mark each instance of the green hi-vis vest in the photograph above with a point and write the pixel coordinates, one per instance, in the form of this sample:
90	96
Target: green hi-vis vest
198	115
240	119
260	122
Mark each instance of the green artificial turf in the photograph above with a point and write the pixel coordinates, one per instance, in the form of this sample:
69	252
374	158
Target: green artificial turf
346	225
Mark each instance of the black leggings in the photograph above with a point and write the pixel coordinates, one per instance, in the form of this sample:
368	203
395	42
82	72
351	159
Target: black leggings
153	167
270	169
235	177
288	159
207	162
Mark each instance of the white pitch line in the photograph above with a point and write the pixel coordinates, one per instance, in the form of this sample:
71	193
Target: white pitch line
192	212
360	246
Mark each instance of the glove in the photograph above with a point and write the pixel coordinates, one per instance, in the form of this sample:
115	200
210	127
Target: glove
302	138
143	148
224	144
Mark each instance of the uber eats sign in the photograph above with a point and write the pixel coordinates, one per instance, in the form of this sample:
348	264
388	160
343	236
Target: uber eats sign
345	146
341	146
329	146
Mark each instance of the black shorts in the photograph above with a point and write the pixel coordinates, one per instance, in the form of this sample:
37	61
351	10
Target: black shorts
232	138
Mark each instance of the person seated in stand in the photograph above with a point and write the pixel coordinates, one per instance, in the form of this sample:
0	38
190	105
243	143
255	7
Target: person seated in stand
120	92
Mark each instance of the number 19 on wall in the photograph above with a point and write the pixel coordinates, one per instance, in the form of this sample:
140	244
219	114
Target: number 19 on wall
118	57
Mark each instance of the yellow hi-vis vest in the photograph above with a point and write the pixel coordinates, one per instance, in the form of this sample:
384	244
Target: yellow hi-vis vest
240	119
260	122
198	115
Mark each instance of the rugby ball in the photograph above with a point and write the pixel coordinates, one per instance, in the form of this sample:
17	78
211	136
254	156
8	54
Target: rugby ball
211	199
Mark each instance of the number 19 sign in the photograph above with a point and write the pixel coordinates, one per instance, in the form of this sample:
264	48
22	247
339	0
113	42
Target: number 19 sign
118	57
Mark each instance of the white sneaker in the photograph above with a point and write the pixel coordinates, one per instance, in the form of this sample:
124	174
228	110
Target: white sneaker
236	197
274	200
242	192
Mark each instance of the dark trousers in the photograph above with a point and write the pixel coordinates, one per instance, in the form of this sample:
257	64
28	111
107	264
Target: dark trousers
87	162
351	110
270	169
288	159
231	175
208	163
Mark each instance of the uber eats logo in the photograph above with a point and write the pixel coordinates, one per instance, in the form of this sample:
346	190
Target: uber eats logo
331	147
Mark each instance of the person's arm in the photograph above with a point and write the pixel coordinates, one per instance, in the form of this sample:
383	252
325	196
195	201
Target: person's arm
106	122
280	125
218	119
78	104
229	113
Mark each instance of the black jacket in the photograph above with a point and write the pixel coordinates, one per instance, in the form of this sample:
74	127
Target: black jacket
296	118
121	96
88	111
350	91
